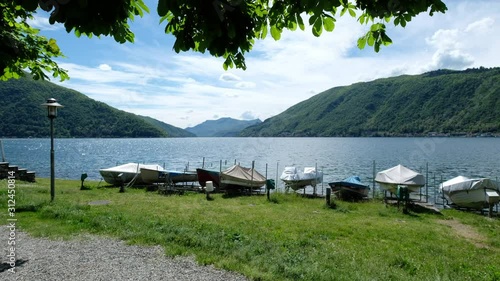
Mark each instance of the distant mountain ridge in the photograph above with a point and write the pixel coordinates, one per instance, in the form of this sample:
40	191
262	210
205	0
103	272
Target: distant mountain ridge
223	127
169	129
81	117
443	102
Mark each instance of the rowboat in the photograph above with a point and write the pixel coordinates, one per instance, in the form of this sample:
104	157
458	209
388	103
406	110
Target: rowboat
151	176
126	173
350	188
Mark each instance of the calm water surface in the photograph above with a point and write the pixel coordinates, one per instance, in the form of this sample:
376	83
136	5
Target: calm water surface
337	157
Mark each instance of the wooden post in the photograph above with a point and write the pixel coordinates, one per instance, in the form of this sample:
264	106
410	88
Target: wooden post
3	152
203	163
328	196
373	180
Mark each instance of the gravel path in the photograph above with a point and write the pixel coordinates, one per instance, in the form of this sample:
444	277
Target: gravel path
89	257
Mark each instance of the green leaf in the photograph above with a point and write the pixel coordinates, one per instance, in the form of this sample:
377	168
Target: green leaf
361	42
317	28
275	33
328	24
300	22
162	7
352	13
143	6
343	11
371	39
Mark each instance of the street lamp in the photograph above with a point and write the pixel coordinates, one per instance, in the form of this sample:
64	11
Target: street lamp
52	106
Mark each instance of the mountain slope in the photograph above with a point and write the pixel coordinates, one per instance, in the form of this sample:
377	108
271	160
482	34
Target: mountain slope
22	115
442	101
171	131
223	127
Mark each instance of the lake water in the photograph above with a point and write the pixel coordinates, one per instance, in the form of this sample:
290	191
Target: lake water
338	158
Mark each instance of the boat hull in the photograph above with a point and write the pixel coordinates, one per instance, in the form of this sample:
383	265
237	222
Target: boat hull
474	199
151	176
208	175
126	173
349	191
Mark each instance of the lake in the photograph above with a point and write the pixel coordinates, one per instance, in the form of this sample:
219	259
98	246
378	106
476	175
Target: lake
338	158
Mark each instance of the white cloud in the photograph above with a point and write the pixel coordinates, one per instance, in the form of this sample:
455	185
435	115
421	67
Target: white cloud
480	25
104	67
248	115
229	77
42	23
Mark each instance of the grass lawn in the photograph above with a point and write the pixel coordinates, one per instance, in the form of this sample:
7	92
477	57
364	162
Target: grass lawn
289	238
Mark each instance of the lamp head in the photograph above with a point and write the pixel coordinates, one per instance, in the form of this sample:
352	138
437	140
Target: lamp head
52	106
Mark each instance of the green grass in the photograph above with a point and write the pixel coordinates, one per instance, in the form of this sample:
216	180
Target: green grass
289	238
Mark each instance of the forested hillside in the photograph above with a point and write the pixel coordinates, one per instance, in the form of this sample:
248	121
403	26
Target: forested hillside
22	116
439	102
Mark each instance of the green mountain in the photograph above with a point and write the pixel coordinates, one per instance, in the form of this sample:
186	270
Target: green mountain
22	116
439	102
223	127
169	129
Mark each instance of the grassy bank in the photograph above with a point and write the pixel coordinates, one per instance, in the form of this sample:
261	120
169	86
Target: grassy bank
290	238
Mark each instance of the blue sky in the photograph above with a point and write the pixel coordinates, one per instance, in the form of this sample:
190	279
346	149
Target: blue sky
185	89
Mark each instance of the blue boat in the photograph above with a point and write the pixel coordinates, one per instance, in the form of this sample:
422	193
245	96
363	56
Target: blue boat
350	188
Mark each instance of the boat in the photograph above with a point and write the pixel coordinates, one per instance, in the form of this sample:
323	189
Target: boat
400	176
476	193
126	173
350	188
296	179
237	176
208	175
151	176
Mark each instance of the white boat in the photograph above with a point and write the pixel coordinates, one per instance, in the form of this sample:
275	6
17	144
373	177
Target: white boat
241	177
399	175
152	175
475	193
126	173
296	179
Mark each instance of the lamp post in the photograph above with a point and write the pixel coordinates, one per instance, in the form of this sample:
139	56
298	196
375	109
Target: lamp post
52	106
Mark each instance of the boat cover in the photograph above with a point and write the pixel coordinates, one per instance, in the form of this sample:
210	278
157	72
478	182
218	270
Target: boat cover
353	181
243	173
399	175
462	183
292	174
133	168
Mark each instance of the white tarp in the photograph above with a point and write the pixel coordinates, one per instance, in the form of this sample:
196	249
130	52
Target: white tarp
399	175
462	183
309	173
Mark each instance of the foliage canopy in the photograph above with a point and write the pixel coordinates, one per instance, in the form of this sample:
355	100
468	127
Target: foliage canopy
224	28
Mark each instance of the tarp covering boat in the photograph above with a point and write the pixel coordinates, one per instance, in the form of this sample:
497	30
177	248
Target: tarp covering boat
391	178
296	179
243	177
471	193
126	173
350	188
